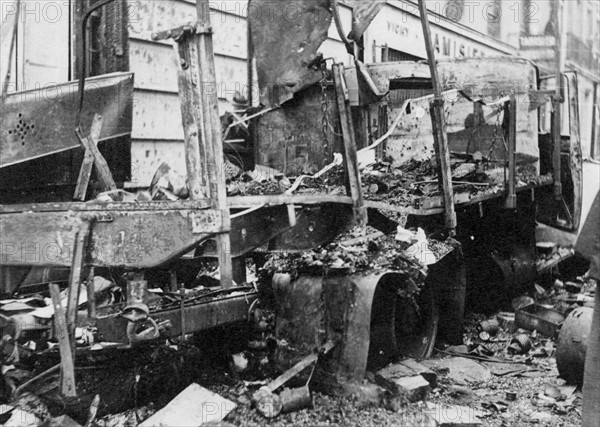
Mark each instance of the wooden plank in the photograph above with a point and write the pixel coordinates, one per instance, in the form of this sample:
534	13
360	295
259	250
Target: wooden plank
292	372
439	130
419	369
88	160
67	367
76	278
351	159
402	379
91	294
202	128
209	109
415	388
103	171
198	154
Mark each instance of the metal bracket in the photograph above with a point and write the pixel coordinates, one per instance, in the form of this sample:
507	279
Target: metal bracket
183	31
203	221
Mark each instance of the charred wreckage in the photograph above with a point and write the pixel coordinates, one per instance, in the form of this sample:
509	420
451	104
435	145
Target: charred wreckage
362	205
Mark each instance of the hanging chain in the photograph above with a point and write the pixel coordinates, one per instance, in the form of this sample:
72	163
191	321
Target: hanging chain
324	105
495	135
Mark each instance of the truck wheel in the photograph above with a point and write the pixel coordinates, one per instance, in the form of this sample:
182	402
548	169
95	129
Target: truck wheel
416	323
401	326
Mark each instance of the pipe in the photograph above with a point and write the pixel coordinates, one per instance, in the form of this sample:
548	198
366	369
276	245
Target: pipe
511	200
340	29
11	51
558	99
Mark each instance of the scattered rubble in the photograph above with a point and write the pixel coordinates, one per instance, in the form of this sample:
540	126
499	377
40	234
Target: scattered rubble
503	374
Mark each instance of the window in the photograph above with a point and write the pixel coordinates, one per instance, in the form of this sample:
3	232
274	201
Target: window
42	54
393	55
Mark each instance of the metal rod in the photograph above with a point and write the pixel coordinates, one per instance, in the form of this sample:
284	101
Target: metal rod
511	200
250	64
439	127
11	51
557	10
595	123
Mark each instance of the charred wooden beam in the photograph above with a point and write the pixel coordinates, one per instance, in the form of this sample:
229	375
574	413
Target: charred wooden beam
349	137
439	128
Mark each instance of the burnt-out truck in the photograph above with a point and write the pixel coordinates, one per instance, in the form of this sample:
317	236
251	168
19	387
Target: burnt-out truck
345	147
499	124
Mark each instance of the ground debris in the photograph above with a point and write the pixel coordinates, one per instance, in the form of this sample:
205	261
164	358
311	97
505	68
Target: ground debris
193	406
454	416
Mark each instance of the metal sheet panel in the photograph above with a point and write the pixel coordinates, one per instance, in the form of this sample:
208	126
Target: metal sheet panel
40	122
199	317
286	37
489	78
134	238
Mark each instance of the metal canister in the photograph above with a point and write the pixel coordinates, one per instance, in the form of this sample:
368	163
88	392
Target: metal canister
491	326
294	399
520	344
572	344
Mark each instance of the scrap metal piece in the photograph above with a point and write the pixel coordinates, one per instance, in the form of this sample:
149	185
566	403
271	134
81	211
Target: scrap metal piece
286	37
361	310
40	122
139	235
198	317
251	229
572	344
363	13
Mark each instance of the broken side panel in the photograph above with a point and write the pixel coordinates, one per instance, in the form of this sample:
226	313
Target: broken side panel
472	126
300	138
